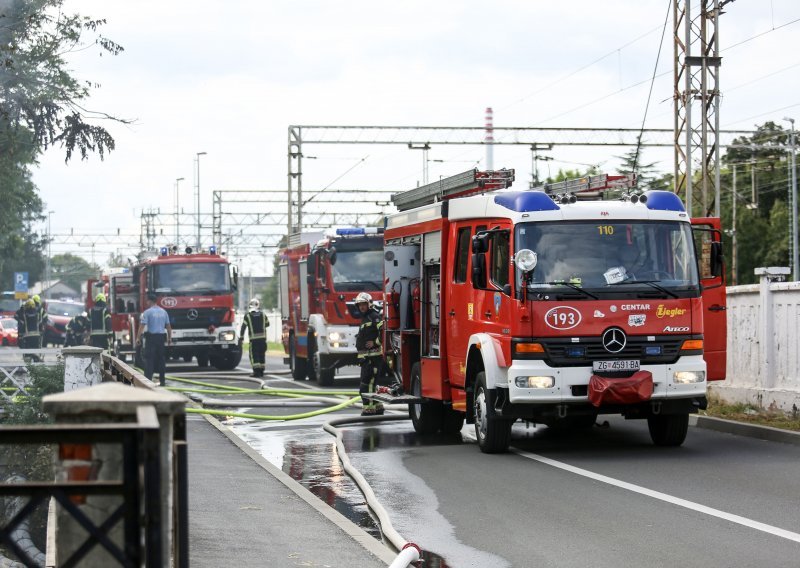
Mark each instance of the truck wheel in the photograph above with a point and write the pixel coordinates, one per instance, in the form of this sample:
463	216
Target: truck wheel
668	429
187	358
493	433
452	420
202	359
297	364
226	361
324	376
311	349
426	416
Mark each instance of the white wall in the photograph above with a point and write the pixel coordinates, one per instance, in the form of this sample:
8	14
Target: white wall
763	346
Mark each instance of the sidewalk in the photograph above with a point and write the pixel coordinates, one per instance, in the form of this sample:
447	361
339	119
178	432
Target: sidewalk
244	511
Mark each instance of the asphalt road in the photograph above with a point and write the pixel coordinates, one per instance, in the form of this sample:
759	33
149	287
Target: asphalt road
605	497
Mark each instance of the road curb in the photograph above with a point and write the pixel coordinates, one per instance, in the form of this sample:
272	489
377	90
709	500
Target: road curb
744	429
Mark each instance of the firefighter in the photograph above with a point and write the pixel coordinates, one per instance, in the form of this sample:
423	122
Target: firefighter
368	343
42	315
255	321
100	323
29	319
76	330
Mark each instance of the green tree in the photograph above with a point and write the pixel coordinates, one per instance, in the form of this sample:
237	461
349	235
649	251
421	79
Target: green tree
72	270
647	175
270	299
41	105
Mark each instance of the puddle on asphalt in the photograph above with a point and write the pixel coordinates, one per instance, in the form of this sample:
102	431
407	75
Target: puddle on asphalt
308	455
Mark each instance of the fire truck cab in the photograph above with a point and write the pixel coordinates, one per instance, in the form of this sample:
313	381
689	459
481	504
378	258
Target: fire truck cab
552	306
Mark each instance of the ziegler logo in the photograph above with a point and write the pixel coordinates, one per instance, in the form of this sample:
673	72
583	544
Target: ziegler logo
169	302
662	312
675	329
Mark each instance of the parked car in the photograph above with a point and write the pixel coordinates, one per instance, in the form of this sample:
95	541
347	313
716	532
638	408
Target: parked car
8	305
8	331
59	312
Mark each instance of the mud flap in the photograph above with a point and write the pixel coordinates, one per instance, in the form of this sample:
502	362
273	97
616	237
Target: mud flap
636	388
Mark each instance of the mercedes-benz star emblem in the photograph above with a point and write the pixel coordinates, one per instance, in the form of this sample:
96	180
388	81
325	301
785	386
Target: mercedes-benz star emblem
192	315
614	340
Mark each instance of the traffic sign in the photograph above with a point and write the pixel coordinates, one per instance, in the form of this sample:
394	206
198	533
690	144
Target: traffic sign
21	285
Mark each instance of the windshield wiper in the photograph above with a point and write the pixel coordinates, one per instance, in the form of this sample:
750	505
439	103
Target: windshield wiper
574	287
651	283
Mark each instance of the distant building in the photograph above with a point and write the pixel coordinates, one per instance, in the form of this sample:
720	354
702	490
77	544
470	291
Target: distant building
54	289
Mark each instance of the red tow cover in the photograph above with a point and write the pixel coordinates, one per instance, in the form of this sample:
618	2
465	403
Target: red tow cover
635	388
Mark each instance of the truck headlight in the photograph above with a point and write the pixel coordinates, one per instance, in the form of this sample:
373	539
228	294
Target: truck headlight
227	335
126	337
535	382
334	336
686	377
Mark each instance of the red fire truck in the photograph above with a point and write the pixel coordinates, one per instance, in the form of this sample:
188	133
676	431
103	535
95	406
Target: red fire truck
320	276
196	290
552	306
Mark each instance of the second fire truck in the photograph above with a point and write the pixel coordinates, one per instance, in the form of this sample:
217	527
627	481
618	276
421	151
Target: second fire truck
320	276
552	306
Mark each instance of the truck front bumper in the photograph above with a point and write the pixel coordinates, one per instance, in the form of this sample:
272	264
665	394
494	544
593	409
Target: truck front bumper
570	384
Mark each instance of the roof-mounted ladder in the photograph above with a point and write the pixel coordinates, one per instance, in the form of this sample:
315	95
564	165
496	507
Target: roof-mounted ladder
460	185
599	182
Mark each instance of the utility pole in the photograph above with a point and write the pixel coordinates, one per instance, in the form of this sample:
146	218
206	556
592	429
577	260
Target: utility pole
46	292
734	266
177	212
198	198
793	204
424	147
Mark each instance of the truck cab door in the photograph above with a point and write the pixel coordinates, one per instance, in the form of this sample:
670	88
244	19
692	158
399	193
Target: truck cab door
708	244
460	301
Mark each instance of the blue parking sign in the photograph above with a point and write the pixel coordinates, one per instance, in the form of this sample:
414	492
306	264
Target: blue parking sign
21	282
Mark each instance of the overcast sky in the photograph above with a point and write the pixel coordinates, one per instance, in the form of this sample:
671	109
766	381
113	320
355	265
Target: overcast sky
228	78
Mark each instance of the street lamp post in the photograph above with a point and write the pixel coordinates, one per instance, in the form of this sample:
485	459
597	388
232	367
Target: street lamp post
46	291
793	204
177	212
198	197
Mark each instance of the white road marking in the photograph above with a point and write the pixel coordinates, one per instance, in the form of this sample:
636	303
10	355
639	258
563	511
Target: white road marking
664	497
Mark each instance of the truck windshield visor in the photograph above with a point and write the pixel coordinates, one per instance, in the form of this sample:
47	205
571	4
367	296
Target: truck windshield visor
611	256
192	278
356	270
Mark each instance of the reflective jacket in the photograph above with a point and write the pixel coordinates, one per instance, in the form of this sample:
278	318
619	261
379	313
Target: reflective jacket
100	319
256	324
78	324
370	330
30	323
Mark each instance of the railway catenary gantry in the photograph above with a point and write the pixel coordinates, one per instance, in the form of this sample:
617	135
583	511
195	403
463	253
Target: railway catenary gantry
414	136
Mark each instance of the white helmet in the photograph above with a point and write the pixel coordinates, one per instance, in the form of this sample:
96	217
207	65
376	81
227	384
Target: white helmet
254	304
363	298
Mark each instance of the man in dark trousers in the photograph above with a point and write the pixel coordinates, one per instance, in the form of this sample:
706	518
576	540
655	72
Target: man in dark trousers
256	324
368	343
100	323
29	328
155	327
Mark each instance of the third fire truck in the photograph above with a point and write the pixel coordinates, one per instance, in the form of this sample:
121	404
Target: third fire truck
554	305
320	276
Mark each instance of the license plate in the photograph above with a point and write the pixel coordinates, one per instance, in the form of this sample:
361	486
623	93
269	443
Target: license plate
194	333
617	365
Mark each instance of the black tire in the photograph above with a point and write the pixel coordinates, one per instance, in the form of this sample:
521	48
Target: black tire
297	364
202	359
452	420
227	360
311	369
668	429
493	433
324	375
426	416
188	358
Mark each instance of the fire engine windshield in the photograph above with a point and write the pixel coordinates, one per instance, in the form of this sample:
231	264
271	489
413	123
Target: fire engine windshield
612	257
357	270
192	278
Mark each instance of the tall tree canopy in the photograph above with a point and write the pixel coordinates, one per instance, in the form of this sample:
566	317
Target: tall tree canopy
41	105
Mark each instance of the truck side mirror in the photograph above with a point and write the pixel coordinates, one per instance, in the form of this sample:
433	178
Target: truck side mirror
234	277
310	279
332	256
480	243
717	259
478	270
135	278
